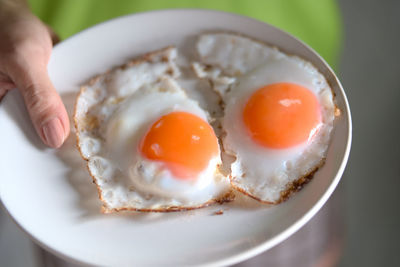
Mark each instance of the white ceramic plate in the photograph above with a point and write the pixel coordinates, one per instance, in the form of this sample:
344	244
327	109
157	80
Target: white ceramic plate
49	193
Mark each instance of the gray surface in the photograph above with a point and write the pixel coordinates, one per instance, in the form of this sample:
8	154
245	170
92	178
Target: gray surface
370	69
15	248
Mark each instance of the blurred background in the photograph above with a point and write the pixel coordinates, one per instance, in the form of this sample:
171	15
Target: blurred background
369	71
364	213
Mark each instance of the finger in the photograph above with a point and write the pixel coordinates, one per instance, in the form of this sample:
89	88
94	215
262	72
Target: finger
4	78
55	39
44	105
4	87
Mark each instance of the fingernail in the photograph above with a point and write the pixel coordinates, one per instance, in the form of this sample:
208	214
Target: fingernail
53	132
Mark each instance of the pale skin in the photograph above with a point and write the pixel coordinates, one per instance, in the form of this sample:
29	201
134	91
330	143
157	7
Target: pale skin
25	48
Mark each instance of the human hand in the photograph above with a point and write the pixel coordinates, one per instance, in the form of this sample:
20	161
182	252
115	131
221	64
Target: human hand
25	48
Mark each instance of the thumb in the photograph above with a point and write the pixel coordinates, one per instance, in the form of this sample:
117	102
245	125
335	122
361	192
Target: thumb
44	105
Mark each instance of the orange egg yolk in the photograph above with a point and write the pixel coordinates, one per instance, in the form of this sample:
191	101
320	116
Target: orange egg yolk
184	142
282	115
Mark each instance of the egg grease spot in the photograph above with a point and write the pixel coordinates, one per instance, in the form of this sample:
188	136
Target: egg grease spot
195	138
156	148
289	102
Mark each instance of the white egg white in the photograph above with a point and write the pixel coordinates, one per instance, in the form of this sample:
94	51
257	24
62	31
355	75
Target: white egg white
114	112
130	122
260	172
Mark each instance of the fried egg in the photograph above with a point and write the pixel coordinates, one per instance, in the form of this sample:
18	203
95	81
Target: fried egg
148	146
278	113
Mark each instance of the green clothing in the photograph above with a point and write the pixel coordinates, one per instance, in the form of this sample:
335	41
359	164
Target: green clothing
316	22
